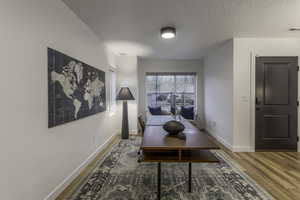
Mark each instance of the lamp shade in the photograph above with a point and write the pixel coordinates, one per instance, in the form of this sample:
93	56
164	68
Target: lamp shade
125	94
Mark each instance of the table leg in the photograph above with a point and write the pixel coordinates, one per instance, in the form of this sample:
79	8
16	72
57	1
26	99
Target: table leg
158	180
190	177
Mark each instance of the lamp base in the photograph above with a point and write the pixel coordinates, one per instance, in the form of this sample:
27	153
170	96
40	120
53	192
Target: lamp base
125	130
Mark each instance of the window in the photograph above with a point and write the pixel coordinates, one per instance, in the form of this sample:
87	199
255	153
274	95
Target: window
165	89
113	90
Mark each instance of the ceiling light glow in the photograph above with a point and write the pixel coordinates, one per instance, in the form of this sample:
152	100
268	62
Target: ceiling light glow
168	32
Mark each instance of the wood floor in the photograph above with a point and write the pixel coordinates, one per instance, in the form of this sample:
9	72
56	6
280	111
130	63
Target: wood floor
277	172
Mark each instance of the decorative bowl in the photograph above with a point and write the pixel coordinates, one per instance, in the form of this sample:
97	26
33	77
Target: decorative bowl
173	127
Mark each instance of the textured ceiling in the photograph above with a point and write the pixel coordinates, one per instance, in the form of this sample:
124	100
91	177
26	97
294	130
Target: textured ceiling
132	26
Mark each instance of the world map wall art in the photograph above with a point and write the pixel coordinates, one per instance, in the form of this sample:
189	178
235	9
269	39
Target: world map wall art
75	89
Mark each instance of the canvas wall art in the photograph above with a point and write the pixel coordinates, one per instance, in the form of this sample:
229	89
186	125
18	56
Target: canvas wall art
75	89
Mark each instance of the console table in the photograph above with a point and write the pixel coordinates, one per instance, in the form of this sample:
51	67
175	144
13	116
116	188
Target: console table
158	147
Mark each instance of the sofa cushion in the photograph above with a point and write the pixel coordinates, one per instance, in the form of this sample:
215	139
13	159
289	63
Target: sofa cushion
155	110
187	112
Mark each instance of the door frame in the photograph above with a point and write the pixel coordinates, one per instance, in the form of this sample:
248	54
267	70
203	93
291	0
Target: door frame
253	56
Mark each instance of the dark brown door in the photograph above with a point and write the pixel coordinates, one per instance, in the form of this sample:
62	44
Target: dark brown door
276	103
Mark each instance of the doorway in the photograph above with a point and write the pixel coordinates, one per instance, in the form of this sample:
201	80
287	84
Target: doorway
276	103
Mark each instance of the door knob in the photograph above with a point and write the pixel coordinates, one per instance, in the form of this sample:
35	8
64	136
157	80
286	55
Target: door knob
256	101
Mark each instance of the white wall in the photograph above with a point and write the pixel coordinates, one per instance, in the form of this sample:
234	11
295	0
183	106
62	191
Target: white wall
234	124
35	159
160	65
127	77
218	93
245	50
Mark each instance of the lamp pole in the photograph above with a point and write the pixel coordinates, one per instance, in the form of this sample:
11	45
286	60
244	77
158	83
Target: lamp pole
125	131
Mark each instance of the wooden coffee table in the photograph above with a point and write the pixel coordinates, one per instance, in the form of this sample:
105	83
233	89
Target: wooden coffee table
158	147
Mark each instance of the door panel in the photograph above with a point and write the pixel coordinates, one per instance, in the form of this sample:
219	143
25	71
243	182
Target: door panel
275	127
276	77
276	103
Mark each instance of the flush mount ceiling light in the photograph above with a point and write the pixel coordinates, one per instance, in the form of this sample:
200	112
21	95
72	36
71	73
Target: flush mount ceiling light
168	32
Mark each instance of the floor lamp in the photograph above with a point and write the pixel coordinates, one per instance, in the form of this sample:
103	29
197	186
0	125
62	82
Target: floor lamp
125	95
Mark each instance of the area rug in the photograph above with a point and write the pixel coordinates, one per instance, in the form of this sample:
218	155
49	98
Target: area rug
120	177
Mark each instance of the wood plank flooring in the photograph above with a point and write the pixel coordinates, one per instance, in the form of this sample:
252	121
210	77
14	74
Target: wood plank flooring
277	172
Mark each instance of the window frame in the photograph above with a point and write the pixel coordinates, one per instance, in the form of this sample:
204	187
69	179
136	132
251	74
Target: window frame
112	91
175	74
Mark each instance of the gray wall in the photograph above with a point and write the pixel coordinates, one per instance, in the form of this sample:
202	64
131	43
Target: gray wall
160	65
229	87
127	77
245	50
218	93
34	159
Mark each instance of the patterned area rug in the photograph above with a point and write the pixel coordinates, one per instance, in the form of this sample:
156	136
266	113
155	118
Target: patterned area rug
120	177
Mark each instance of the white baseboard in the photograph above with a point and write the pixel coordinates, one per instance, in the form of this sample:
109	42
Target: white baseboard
68	180
220	139
228	145
133	132
225	143
242	149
